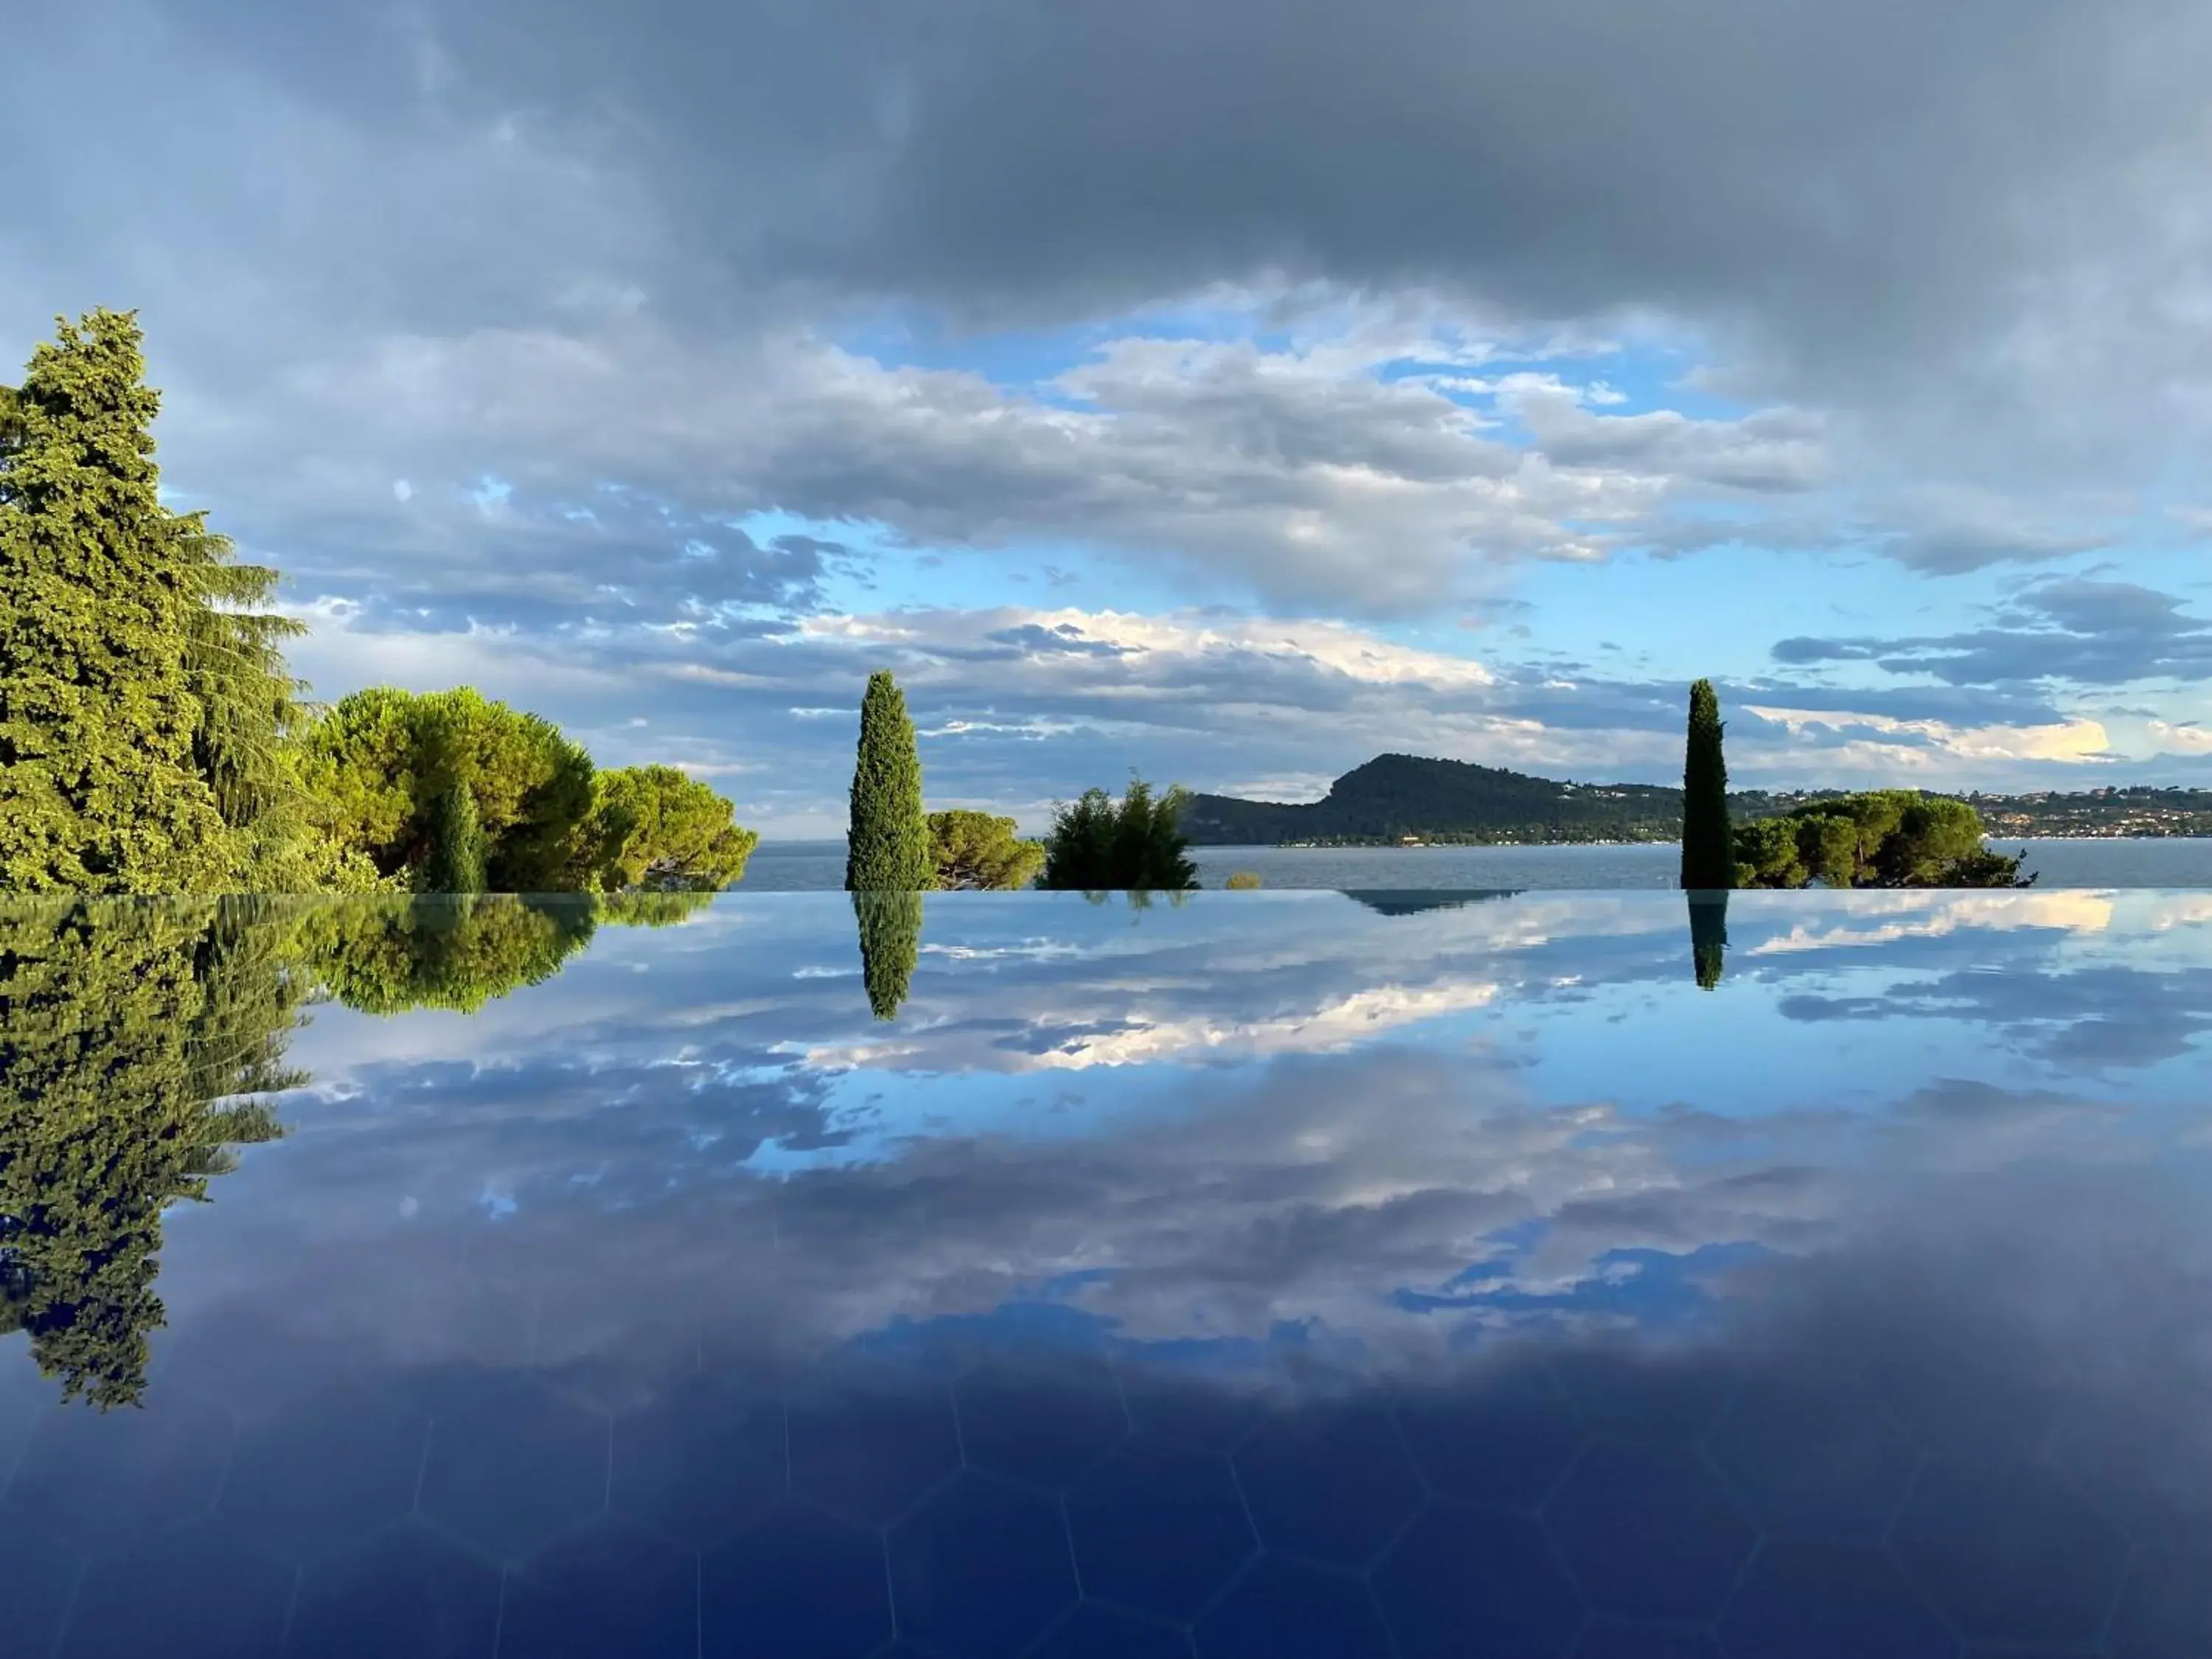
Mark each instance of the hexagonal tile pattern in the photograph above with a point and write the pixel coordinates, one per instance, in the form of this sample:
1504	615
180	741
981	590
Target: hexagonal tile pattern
1158	1527
1812	1455
1659	1399
2165	1610
511	1466
1613	1638
981	1570
408	1593
1503	1438
799	1581
99	1480
328	1472
1293	1610
699	1462
2008	1552
872	1454
193	1592
1329	1480
38	1572
1802	1600
2150	1475
1966	1391
1045	1421
1475	1584
1649	1533
1196	1412
1094	1632
611	1588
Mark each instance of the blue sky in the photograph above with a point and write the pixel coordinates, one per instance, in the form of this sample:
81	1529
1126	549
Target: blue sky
1221	391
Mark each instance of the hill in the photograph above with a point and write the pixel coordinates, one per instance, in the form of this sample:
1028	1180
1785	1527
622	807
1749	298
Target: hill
1396	798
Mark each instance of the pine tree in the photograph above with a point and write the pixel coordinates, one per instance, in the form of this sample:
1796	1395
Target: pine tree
887	843
1708	849
456	863
101	787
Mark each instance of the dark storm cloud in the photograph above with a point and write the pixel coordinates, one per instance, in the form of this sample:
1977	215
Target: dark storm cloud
2089	630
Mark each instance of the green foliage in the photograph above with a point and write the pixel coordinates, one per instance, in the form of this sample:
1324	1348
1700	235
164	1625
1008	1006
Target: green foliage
1708	937
379	759
972	850
662	831
456	861
1878	838
888	840
129	1034
102	587
1244	881
1708	863
388	956
1098	844
891	945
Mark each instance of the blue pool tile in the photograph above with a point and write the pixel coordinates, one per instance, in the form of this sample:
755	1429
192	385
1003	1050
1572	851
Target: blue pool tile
1501	1437
196	1591
1476	1584
872	1453
511	1466
1616	1638
99	1479
1649	1533
2152	1477
1158	1527
1329	1480
609	1589
1968	1391
1194	1412
981	1570
1285	1609
328	1472
1653	1399
408	1593
1805	1600
797	1582
2008	1551
699	1462
1812	1455
1045	1421
2166	1608
37	1573
1092	1632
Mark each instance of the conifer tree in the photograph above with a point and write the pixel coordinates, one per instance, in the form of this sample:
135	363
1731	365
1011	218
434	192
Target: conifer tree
888	840
101	784
456	863
1708	848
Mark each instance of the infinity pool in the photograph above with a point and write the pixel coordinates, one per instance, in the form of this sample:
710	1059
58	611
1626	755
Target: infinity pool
1268	1274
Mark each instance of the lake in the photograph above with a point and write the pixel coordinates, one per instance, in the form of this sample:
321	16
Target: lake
2176	861
1558	1275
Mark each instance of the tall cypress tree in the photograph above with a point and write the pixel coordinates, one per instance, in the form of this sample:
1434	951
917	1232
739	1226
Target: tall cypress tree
1708	849
887	843
101	787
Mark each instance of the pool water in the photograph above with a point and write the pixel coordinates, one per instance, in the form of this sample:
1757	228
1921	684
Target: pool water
1401	1273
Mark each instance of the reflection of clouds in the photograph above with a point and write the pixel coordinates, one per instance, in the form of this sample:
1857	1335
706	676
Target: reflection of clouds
1884	918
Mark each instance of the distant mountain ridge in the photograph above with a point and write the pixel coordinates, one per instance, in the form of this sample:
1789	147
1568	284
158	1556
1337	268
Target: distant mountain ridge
1397	797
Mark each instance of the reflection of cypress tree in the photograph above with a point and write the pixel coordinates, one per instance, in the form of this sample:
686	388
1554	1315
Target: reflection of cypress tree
386	956
122	1027
1708	936
891	945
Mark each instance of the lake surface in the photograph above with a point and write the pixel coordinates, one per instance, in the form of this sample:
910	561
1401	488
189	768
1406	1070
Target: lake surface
1272	1274
2176	861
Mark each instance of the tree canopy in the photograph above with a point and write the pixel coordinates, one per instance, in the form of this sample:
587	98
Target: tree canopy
972	850
1098	844
1878	838
1708	859
662	830
887	840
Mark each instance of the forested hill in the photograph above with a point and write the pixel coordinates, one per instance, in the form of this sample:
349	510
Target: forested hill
1393	797
1396	796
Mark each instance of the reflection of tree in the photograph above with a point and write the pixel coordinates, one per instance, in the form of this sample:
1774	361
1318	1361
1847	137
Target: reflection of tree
385	956
891	945
128	1031
1411	902
1708	936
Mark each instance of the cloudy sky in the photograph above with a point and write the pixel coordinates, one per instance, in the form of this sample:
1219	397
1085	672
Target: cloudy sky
1226	389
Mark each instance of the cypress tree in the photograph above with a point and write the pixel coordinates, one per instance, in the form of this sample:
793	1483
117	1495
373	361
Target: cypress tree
100	587
456	863
887	843
1708	850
